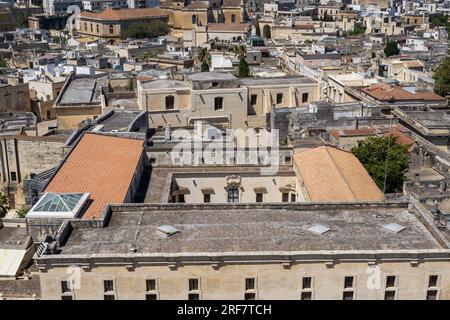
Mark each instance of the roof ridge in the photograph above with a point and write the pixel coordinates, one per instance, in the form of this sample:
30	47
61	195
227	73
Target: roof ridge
340	173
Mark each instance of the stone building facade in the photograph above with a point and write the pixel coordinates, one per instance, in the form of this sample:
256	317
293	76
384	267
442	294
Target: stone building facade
252	252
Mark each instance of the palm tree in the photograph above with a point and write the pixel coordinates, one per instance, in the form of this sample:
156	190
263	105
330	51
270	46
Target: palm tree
21	213
203	55
3	205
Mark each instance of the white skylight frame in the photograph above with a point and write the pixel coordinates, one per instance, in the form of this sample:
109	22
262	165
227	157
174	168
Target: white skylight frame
73	213
318	229
167	231
394	227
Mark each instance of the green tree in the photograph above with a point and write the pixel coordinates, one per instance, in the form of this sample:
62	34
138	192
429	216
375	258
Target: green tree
202	55
21	213
327	18
357	30
441	78
391	49
204	66
146	30
3	63
148	55
3	205
243	69
385	160
22	20
240	51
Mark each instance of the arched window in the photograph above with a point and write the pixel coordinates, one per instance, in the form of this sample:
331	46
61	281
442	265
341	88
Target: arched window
170	102
233	194
111	28
194	19
233	18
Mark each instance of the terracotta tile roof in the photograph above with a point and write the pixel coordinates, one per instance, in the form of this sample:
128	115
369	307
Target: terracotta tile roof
101	165
414	64
236	27
386	92
196	5
125	14
402	138
330	174
353	132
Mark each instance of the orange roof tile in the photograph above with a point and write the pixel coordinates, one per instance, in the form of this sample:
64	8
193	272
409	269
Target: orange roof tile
402	138
330	174
101	165
385	92
125	14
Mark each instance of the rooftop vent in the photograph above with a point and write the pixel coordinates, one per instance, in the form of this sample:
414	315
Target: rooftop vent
167	231
318	229
394	227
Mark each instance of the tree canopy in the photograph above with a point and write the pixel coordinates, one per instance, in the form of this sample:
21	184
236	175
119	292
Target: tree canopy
204	66
441	78
243	68
357	30
385	160
391	49
146	30
3	205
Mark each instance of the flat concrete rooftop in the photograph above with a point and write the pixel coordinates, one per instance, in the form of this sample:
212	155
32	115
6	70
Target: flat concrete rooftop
83	90
252	228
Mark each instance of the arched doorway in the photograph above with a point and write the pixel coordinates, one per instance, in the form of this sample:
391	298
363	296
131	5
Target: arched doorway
266	32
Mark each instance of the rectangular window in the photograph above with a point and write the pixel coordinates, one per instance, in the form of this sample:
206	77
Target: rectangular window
287	160
279	98
233	195
390	281
306	283
348	295
348	282
108	286
151	296
194	289
432	281
259	197
151	285
389	295
249	283
206	198
13	176
307	295
285	197
249	296
253	99
193	296
65	287
292	197
305	97
218	103
193	284
181	198
432	294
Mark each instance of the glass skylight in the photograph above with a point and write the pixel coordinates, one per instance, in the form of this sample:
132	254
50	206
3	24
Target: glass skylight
52	202
58	205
